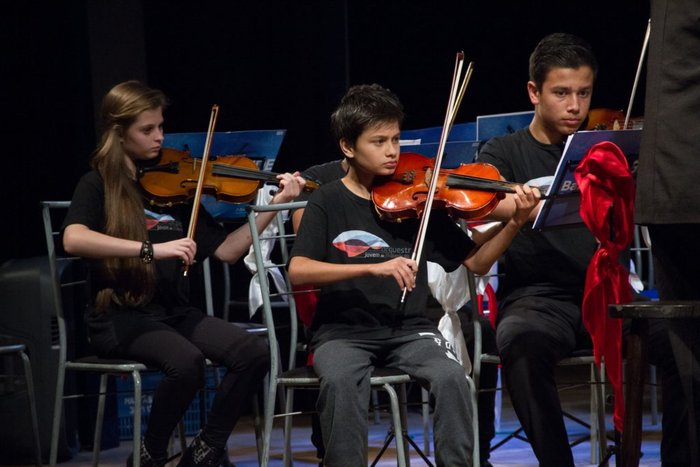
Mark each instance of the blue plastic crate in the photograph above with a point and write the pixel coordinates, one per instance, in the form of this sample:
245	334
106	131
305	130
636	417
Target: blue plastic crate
149	382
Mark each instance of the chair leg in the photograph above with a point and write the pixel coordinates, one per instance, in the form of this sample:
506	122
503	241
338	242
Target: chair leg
136	376
476	454
258	428
97	440
57	412
593	415
653	395
498	404
425	399
396	418
288	407
375	406
269	408
32	405
600	416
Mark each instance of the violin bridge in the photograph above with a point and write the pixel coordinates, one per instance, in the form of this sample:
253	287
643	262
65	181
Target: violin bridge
428	175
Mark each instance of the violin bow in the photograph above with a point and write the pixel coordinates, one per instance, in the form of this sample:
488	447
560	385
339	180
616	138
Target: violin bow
457	90
639	71
202	173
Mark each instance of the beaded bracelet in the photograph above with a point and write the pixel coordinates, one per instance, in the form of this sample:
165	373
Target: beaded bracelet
146	254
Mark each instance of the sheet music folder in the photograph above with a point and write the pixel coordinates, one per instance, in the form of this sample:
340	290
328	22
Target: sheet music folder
562	207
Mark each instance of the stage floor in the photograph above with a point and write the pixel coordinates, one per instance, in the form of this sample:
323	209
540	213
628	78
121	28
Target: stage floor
514	453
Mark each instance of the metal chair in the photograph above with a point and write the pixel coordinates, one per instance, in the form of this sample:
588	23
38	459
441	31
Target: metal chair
304	377
58	264
596	425
9	349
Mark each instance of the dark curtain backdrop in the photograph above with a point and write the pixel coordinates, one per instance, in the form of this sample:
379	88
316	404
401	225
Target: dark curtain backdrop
268	64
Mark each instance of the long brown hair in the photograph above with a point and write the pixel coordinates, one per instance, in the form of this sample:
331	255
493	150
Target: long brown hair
133	281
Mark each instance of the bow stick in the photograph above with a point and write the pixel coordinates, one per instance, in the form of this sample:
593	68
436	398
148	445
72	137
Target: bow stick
202	173
639	72
457	90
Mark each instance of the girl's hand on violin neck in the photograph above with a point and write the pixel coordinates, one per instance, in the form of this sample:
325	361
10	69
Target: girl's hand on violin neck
291	186
400	268
183	249
526	198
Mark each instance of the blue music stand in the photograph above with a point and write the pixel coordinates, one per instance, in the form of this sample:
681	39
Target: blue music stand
488	126
459	132
561	208
461	146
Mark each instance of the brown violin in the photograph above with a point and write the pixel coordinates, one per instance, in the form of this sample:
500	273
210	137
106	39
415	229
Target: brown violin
469	191
174	178
609	119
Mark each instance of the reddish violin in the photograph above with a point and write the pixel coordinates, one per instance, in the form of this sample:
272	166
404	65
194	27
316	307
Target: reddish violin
609	119
234	179
470	191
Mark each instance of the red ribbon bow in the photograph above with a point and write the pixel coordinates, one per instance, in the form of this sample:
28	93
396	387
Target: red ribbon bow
607	208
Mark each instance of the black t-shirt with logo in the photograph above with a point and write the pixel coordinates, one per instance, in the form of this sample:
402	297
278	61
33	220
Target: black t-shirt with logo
549	263
164	224
342	228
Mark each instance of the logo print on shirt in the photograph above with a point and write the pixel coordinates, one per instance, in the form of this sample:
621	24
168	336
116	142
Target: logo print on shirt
356	242
153	219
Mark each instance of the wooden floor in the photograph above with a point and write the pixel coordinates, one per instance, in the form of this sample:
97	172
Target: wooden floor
514	453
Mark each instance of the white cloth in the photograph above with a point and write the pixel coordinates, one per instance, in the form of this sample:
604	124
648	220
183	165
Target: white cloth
255	299
451	290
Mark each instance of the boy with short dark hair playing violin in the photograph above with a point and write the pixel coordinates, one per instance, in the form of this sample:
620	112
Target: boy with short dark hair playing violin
362	264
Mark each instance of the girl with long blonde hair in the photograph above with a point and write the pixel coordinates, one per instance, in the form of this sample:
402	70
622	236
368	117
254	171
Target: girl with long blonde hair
140	308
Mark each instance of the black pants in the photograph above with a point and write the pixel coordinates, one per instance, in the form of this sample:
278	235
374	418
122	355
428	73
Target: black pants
178	345
533	334
676	253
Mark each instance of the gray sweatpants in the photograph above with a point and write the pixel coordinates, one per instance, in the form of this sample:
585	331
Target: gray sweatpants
344	367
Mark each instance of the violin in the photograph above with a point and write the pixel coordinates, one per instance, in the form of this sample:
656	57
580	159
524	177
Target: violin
469	191
610	119
231	178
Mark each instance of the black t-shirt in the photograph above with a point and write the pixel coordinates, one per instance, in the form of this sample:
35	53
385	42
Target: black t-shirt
164	224
321	174
340	227
551	263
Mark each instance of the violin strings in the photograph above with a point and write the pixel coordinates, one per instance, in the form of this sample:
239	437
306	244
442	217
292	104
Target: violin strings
242	172
472	178
475	183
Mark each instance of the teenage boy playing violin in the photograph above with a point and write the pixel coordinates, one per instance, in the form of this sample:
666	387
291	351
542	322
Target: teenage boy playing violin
140	305
539	320
362	265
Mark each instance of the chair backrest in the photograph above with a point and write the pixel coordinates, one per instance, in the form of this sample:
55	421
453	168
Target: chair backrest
68	274
284	240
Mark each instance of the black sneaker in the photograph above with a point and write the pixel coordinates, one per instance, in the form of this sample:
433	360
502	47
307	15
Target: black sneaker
200	454
145	458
